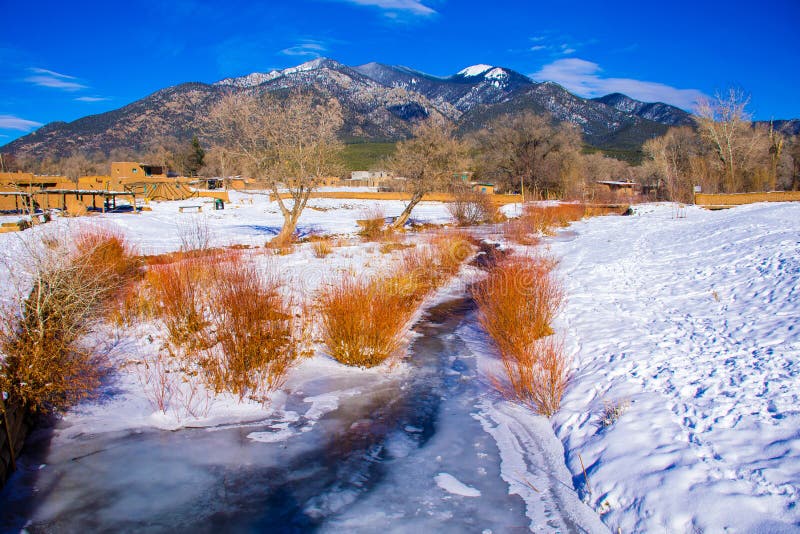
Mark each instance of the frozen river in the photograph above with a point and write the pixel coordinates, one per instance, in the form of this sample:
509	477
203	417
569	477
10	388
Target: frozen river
405	455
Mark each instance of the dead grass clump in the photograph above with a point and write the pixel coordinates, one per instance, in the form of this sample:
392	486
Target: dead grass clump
388	248
517	301
363	321
322	247
372	223
48	362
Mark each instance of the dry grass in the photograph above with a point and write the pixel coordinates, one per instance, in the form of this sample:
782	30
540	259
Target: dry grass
322	247
48	363
372	223
363	321
537	220
517	301
391	246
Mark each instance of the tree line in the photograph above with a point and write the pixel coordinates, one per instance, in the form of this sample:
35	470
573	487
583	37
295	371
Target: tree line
292	143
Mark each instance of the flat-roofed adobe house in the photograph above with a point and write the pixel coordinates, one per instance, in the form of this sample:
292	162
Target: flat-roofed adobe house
132	169
480	187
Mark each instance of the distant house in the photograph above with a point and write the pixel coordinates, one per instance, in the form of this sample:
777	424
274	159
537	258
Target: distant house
367	178
132	169
616	187
483	188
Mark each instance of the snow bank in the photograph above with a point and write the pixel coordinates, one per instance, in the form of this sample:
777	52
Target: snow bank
693	322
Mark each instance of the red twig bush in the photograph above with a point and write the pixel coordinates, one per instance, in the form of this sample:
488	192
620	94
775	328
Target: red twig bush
363	321
255	340
516	302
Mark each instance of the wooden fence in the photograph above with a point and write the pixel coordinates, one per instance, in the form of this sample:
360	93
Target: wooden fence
727	200
13	430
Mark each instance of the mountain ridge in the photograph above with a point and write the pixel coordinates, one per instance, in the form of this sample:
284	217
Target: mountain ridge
380	103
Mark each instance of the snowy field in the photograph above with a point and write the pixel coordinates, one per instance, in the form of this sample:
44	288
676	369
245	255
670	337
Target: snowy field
694	324
688	326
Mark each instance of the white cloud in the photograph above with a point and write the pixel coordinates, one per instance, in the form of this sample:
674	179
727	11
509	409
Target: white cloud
54	80
92	99
10	122
585	78
415	7
306	48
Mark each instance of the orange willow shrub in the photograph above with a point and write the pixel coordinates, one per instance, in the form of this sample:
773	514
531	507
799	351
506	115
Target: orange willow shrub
516	302
227	320
363	321
178	292
254	338
48	364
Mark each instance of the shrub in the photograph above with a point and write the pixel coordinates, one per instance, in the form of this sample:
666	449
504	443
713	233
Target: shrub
255	341
178	294
47	364
226	321
470	207
363	321
194	233
372	223
516	302
541	220
537	376
322	247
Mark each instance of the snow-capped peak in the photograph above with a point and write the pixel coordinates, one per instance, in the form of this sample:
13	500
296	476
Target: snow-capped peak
251	80
496	74
308	65
257	78
475	70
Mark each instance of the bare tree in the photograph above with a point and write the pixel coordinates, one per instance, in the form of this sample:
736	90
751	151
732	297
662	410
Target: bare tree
726	126
527	150
427	161
291	144
672	154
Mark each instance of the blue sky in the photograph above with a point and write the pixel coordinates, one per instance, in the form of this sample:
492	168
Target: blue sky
64	60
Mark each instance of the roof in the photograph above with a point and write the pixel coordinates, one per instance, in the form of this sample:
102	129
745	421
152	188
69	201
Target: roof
613	182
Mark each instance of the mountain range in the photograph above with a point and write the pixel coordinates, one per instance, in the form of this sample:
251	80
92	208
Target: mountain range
380	103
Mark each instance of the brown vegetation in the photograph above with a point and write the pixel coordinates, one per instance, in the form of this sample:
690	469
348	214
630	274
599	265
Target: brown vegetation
516	302
226	321
48	363
470	207
363	321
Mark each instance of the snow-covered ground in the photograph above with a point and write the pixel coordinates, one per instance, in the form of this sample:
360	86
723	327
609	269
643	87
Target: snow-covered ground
692	326
688	325
249	219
